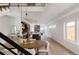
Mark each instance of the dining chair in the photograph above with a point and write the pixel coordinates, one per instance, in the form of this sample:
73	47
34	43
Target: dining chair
45	49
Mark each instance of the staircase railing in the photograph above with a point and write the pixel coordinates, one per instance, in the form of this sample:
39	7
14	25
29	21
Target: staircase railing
15	45
2	53
8	49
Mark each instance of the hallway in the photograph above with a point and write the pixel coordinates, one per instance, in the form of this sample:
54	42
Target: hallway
58	21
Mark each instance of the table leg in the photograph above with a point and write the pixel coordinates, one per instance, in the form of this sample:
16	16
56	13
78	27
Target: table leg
36	51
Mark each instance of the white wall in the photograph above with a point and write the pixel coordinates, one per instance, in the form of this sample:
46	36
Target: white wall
15	22
7	23
4	25
78	30
58	32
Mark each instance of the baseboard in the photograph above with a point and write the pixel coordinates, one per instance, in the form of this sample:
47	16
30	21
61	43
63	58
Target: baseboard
63	46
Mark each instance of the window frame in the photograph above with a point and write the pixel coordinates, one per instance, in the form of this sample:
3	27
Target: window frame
65	29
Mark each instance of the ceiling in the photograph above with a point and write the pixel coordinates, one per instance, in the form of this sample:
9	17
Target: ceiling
36	14
53	11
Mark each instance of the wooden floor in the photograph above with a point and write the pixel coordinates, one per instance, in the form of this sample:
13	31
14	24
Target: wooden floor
57	49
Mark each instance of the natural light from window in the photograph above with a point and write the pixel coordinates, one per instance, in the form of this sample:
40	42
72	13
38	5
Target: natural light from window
53	26
70	31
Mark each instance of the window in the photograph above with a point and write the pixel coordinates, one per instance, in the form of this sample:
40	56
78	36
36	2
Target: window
52	26
70	31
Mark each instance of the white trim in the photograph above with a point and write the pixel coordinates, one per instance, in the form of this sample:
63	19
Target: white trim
65	33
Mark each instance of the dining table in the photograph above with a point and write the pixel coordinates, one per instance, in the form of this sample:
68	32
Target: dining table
33	44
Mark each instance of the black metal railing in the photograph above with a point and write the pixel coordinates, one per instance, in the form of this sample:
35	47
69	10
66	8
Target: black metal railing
2	53
15	45
8	49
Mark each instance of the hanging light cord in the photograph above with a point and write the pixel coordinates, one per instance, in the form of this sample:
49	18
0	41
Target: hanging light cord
21	11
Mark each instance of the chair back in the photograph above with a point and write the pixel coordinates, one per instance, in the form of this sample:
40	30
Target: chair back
47	45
